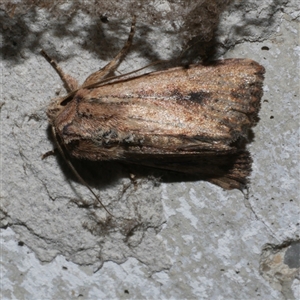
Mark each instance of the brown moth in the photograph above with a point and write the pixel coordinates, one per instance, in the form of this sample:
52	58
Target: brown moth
192	119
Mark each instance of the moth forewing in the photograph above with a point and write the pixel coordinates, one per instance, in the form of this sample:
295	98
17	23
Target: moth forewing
167	111
194	114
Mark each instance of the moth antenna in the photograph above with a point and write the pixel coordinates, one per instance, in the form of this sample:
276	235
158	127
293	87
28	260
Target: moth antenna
93	85
75	171
186	50
112	65
108	79
70	83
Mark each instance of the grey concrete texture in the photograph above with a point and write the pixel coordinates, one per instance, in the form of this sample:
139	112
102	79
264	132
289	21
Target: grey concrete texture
171	238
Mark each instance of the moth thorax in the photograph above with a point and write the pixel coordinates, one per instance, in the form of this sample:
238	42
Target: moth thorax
54	109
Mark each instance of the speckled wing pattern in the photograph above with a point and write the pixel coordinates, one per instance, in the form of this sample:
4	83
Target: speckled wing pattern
188	119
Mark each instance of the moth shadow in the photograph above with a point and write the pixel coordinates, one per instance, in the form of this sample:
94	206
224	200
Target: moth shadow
102	174
164	176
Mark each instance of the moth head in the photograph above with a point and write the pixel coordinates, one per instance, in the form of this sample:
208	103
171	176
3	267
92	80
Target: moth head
56	106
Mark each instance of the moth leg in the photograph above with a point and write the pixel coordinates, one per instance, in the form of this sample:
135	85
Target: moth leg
70	83
49	153
112	66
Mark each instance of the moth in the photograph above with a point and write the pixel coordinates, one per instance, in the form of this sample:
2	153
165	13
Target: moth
192	119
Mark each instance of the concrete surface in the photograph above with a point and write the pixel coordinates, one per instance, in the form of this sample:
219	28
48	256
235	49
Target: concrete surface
185	239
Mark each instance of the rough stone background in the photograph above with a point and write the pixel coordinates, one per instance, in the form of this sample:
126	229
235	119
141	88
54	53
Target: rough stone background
171	238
